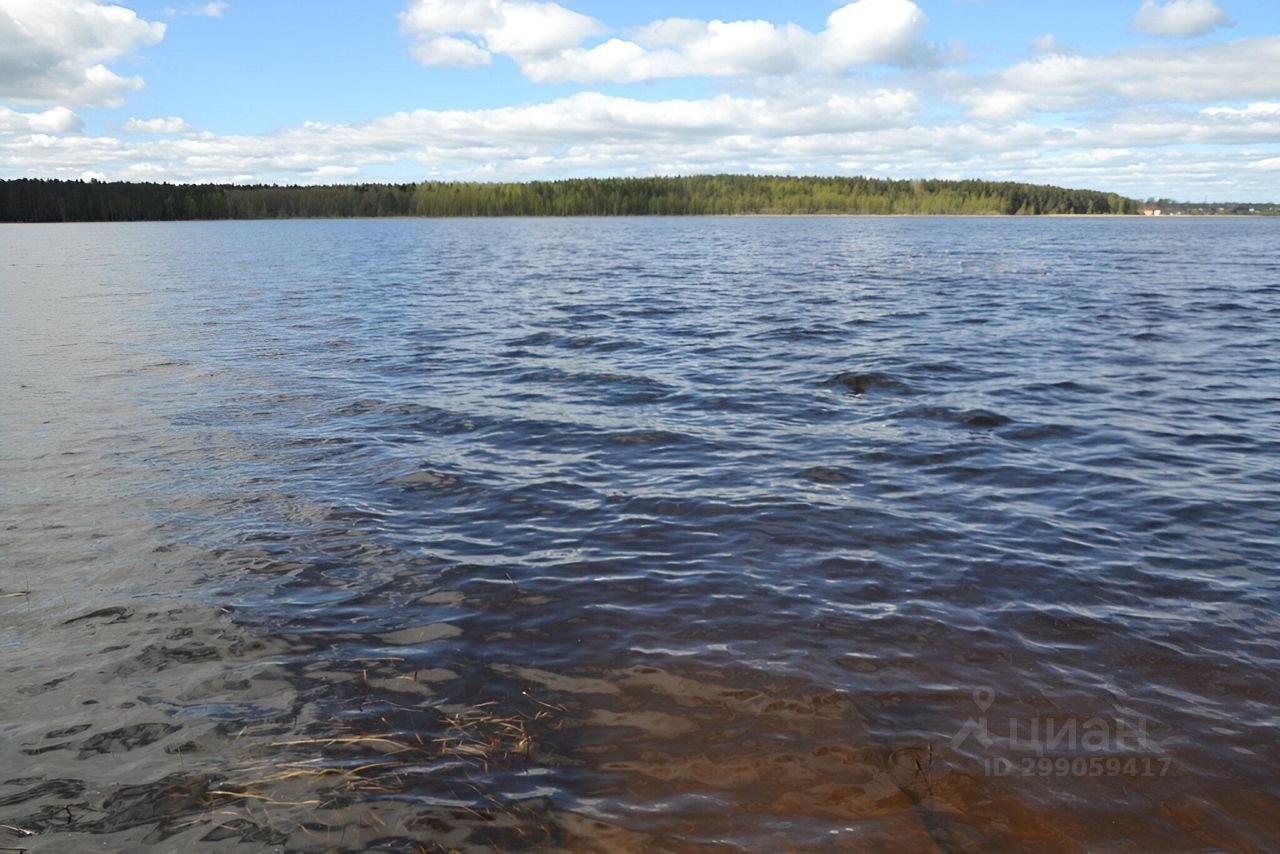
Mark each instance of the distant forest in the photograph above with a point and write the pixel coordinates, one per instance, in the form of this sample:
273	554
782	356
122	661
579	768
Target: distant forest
34	200
1169	206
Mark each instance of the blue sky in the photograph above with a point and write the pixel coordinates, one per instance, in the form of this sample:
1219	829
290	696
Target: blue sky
1177	98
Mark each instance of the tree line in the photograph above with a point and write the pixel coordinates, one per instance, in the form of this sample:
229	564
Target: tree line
38	200
1169	206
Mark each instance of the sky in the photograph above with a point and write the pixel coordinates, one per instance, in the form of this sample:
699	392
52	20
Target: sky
1150	98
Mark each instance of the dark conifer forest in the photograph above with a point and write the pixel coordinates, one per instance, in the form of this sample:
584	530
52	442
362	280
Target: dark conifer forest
35	200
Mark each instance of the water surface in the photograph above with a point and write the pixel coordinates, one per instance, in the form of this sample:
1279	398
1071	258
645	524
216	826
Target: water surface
939	534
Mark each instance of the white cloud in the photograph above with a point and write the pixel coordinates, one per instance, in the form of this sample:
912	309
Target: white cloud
803	127
1180	18
1049	44
588	130
450	50
1262	109
168	124
334	173
1249	68
536	29
1152	127
55	120
873	31
680	48
466	32
216	9
546	40
432	17
55	51
998	105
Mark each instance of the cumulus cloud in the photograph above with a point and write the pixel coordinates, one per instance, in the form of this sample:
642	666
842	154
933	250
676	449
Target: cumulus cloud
587	131
56	51
1182	19
679	48
546	40
1249	68
836	127
471	30
56	120
168	124
873	31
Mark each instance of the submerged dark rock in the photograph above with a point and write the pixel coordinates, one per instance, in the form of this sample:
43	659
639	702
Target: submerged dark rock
861	383
823	474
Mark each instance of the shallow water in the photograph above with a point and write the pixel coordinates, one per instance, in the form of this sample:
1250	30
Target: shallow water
939	534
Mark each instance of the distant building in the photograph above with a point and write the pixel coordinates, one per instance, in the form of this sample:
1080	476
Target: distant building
1151	210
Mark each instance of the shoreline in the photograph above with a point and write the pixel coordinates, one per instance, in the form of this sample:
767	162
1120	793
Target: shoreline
1025	217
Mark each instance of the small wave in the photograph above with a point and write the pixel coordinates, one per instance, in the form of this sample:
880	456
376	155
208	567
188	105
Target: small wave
823	474
1061	385
615	388
1215	440
940	368
977	418
534	340
647	437
1043	432
423	480
800	333
861	383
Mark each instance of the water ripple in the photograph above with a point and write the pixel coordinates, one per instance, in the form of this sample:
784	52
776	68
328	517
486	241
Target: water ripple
772	534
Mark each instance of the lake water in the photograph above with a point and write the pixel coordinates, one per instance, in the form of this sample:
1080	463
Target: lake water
933	534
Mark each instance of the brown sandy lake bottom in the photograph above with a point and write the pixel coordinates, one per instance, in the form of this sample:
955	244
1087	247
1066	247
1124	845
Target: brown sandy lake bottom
623	535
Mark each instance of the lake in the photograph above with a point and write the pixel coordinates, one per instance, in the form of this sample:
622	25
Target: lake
939	534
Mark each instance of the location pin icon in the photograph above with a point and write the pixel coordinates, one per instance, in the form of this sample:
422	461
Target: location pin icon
984	697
